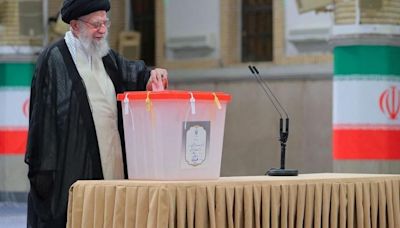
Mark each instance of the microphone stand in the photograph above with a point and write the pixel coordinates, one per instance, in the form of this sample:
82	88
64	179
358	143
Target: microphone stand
283	134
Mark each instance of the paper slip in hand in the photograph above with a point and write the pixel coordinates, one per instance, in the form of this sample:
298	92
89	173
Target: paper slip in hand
157	86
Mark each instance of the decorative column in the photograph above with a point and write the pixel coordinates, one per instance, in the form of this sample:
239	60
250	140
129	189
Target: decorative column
366	86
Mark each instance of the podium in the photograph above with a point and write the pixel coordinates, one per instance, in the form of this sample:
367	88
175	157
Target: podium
307	200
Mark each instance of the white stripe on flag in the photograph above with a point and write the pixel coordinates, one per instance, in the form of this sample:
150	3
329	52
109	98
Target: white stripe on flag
366	102
15	107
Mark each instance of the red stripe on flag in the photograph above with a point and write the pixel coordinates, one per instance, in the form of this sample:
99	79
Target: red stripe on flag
13	141
366	144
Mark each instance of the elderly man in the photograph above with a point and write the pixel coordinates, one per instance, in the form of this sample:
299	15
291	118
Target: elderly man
75	126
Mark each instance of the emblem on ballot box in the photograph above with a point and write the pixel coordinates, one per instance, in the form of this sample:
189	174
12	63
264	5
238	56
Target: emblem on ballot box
196	140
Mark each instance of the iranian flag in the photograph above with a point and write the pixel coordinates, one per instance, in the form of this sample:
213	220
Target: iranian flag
15	79
366	103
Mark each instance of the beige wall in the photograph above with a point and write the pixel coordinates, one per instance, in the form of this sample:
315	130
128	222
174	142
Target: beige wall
384	12
229	38
117	17
10	22
252	125
229	34
251	132
10	26
251	144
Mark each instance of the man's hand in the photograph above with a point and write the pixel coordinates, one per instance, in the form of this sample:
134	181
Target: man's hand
158	80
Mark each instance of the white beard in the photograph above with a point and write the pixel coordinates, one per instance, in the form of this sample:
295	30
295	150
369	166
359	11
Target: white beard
94	48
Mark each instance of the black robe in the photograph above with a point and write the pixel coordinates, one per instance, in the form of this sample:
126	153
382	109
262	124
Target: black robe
62	143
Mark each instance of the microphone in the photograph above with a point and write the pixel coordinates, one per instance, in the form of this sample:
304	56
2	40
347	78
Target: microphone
283	126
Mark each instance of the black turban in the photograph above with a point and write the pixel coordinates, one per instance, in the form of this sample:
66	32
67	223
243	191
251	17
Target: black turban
73	9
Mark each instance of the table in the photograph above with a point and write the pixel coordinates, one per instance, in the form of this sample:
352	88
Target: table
308	200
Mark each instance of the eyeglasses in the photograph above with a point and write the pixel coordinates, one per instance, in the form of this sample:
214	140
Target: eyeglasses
97	25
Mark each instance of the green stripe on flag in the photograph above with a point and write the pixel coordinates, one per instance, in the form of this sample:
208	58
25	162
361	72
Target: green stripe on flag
16	74
367	60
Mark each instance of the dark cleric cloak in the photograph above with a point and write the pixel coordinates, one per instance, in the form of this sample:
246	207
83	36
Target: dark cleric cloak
62	143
